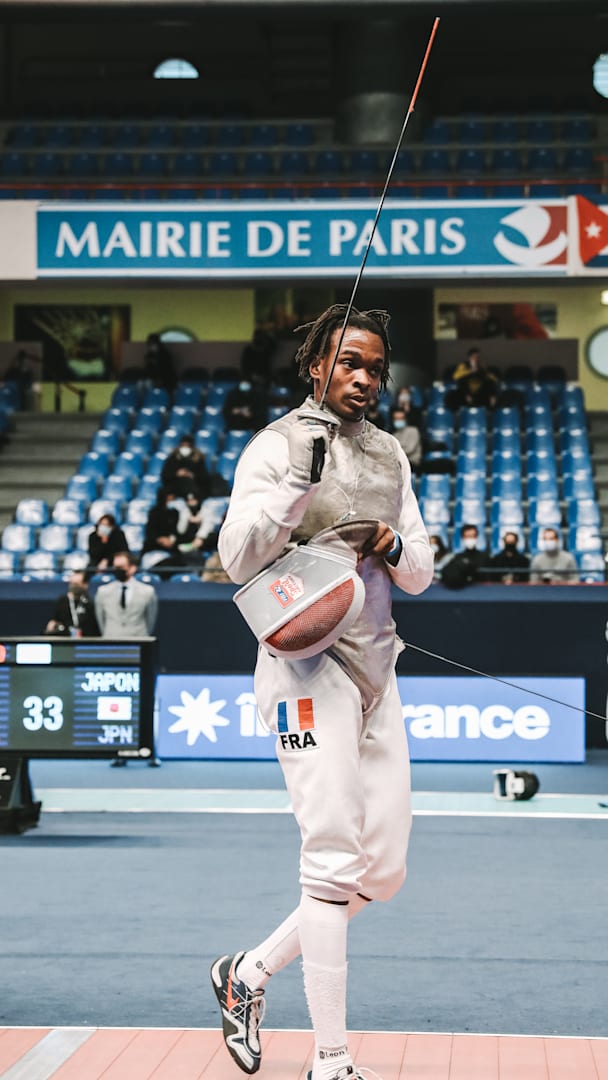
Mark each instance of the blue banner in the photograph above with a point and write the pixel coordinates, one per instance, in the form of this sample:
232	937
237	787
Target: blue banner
447	719
298	239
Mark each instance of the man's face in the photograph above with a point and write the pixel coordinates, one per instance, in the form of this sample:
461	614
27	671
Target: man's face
356	379
121	563
77	584
469	537
510	541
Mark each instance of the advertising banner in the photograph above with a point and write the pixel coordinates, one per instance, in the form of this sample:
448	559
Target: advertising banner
446	718
320	239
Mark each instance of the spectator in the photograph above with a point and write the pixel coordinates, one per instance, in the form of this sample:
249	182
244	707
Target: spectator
74	613
245	407
204	541
475	385
407	435
21	374
374	415
185	471
104	541
512	563
256	360
126	608
163	525
441	554
159	368
403	401
464	568
553	565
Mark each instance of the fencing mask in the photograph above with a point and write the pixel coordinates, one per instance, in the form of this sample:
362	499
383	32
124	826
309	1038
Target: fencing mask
303	602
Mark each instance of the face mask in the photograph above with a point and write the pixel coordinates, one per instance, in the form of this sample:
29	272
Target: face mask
435	549
550	545
104	530
470	543
120	573
185	451
510	546
398	425
173	505
245	386
77	591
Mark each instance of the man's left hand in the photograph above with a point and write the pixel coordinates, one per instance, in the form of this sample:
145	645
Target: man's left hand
382	541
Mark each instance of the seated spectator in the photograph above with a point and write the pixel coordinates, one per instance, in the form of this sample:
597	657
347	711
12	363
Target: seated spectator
185	471
159	368
552	565
104	541
513	563
475	385
408	436
403	401
374	415
162	527
441	554
464	568
245	407
74	614
256	360
203	542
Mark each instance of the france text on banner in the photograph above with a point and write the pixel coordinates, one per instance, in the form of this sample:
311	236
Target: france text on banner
320	239
446	718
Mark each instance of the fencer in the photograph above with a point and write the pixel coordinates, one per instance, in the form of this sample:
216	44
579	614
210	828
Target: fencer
337	715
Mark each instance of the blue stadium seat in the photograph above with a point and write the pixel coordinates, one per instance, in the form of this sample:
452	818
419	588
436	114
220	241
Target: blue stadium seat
168	441
74	560
153	164
473	419
156	462
583	512
508	191
81	488
127	134
82	164
140	442
130	463
576	461
592	566
24	135
470	486
262	134
117	488
542	161
39	563
506	130
182	418
574	440
434	512
55	538
544	190
435	486
231	134
540	129
236	441
252	191
506	161
544	511
470	191
95	463
438	131
100	507
543	486
578	485
212	417
188	395
195	135
118	165
106	442
8	564
469	162
161	136
584	538
48	164
471	128
223	163
506	485
225	467
138	510
81	538
126	396
15	163
32	512
328	163
541	463
68	512
150	420
470	512
18	539
578	161
188	165
578	129
208	441
148	487
435	162
134	535
156	397
505	512
117	419
293	164
363	163
299	133
92	137
506	439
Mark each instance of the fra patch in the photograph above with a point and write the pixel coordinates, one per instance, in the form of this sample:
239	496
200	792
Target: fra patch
296	724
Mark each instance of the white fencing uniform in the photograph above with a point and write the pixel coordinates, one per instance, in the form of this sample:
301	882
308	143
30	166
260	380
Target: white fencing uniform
340	734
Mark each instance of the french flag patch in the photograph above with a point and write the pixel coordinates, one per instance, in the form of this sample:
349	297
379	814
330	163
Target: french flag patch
296	714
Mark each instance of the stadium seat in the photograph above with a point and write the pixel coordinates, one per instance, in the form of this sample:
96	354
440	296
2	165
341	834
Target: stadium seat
544	512
542	161
68	512
126	134
148	488
117	488
160	136
438	131
578	160
38	561
47	165
75	560
236	441
223	164
540	129
471	129
81	488
469	162
592	566
506	485
81	539
212	418
573	440
363	163
583	512
207	441
134	535
55	538
434	512
577	460
100	507
506	512
118	165
32	512
140	442
182	418
138	510
126	396
194	135
543	485
293	164
130	463
584	538
92	137
151	418
506	161
231	134
541	462
435	486
505	130
225	466
470	512
156	462
95	463
156	397
578	485
299	133
328	163
106	442
117	419
82	165
473	419
470	486
168	441
262	134
18	539
188	395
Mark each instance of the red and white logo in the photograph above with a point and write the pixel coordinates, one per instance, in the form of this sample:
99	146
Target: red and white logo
592	229
287	589
113	708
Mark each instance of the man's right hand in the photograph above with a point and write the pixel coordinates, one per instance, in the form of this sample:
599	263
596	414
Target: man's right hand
308	445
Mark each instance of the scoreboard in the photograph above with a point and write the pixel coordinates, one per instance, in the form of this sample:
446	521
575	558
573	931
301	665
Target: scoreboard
77	697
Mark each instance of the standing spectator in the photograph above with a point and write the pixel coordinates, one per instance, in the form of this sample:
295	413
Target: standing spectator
552	565
513	563
408	436
74	612
185	471
475	385
159	368
104	541
464	567
126	608
21	374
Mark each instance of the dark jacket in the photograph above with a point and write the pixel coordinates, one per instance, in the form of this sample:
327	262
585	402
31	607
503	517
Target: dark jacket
80	614
198	482
98	549
161	522
510	562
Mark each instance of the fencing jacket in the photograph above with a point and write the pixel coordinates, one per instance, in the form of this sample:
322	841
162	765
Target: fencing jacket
366	475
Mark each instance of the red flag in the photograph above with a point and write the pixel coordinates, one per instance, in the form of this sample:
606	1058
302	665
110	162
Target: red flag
592	229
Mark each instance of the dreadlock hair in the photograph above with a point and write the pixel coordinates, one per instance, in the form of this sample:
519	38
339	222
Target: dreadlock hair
318	336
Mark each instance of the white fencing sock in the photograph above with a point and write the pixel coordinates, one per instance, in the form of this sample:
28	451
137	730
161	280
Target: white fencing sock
280	948
323	932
